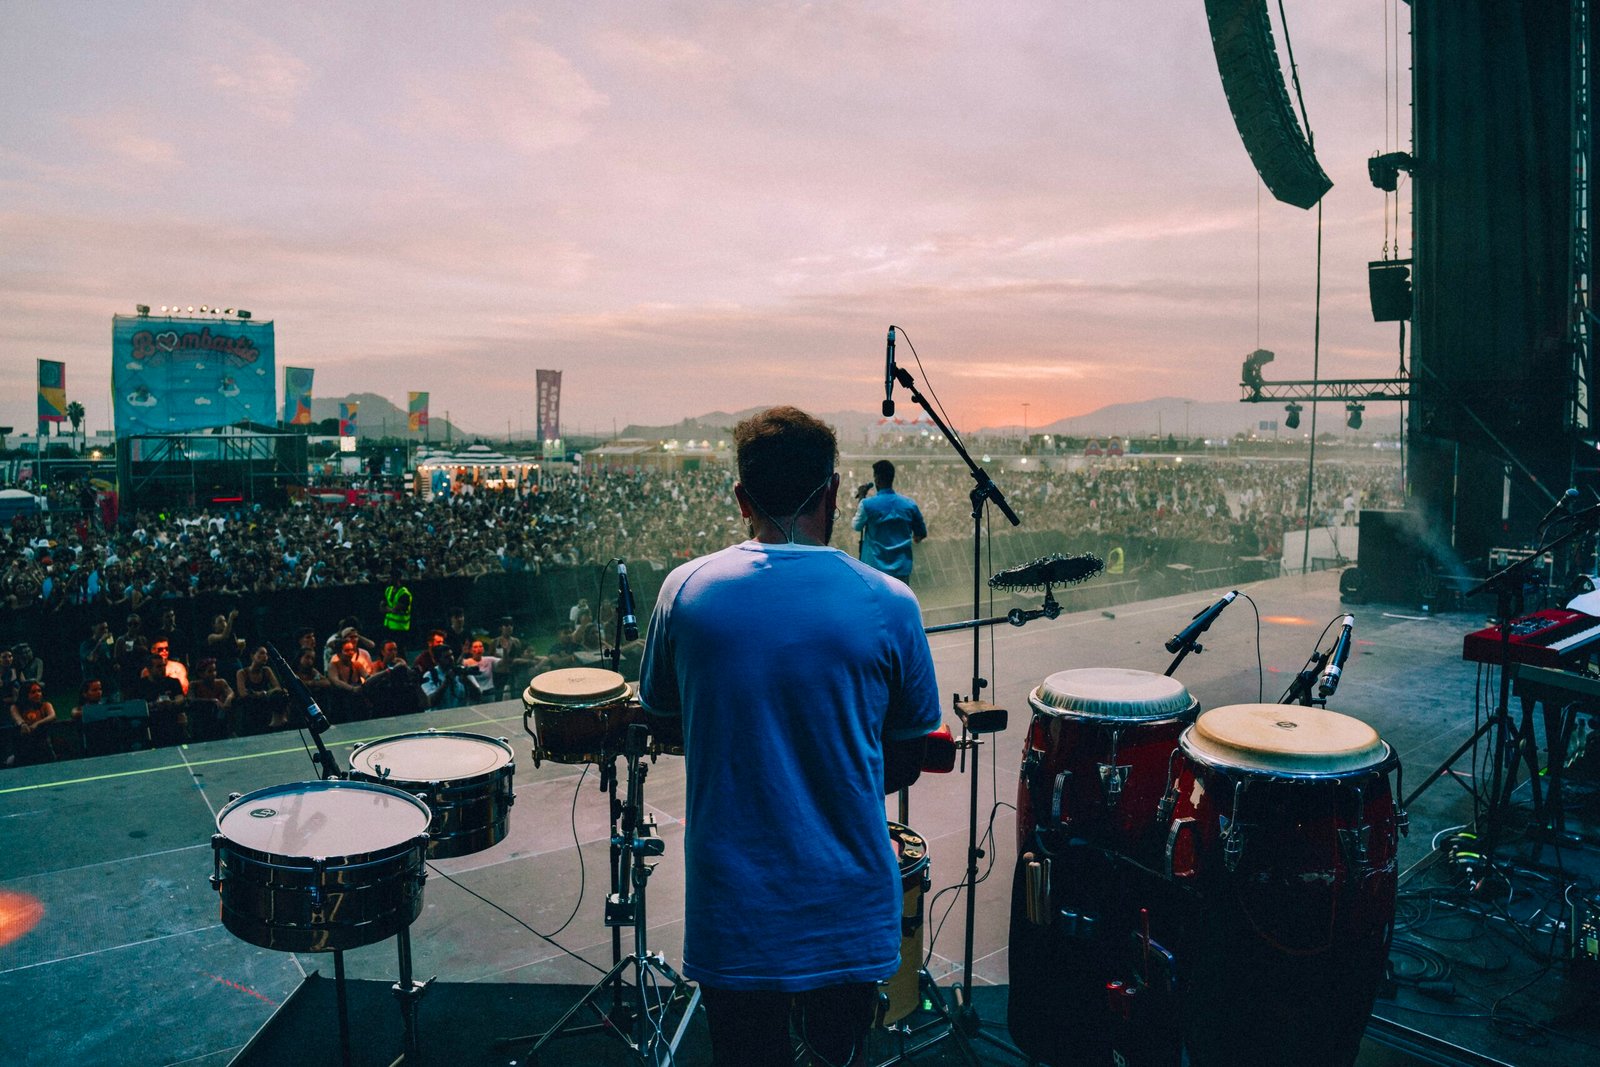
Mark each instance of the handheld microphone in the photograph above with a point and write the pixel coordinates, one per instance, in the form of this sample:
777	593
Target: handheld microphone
888	378
630	621
1563	502
1341	652
1201	623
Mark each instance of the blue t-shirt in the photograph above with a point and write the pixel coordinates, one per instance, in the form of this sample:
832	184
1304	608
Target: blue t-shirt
790	665
889	523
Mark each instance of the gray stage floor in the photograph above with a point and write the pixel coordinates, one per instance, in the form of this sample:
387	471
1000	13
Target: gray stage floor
129	963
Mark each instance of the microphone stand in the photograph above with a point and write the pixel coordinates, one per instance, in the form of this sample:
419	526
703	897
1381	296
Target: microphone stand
1303	689
977	717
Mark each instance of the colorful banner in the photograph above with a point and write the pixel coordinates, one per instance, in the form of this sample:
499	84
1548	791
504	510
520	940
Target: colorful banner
171	374
297	395
52	393
549	382
347	417
416	411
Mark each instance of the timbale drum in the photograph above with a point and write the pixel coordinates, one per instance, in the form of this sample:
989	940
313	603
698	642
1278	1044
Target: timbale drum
320	866
902	993
465	780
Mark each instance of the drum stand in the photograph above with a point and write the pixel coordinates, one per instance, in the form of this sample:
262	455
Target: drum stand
408	992
640	1025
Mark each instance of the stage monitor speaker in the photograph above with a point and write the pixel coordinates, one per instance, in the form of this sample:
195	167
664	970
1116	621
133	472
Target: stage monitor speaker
1392	557
1247	59
1389	286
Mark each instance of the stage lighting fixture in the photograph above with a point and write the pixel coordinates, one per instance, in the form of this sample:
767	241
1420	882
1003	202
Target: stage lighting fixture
1384	170
191	309
1292	418
1251	373
143	309
1353	414
242	313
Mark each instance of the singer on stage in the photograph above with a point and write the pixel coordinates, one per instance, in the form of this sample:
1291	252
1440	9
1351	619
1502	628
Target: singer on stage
889	523
798	672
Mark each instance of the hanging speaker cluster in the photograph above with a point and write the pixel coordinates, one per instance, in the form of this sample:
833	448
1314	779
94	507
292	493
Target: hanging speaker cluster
1247	59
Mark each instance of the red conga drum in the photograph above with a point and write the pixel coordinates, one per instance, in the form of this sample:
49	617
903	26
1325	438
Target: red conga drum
1095	762
1282	820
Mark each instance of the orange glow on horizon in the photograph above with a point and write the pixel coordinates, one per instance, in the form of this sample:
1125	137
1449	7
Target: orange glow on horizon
19	913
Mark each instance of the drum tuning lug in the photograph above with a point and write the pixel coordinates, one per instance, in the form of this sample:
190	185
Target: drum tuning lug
1233	847
1112	778
234	796
1402	822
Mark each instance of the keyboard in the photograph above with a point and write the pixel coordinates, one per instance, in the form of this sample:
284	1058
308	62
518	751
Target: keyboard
1548	638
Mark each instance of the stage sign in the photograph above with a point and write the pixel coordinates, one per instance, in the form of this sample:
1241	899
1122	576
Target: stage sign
297	383
416	411
52	393
549	382
170	374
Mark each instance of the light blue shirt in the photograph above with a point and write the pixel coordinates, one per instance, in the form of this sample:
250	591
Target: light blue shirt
790	665
889	524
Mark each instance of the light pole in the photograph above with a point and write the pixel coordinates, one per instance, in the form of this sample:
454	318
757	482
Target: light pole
1024	429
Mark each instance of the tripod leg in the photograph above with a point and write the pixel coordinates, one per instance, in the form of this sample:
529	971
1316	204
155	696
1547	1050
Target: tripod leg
344	1007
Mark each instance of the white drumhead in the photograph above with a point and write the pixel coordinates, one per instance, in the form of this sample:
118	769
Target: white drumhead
312	820
1284	737
430	757
578	686
1113	693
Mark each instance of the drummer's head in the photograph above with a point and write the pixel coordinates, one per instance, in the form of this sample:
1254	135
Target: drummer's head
786	476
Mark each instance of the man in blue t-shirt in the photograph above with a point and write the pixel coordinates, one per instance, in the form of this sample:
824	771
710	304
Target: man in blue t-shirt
806	688
889	523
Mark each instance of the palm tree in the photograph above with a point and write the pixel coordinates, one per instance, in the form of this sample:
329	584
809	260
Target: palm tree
75	416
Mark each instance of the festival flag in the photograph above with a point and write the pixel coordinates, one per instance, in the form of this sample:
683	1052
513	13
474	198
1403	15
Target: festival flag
549	384
417	411
297	396
347	417
52	393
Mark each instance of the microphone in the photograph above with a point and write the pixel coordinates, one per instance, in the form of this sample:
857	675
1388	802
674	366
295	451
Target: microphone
888	378
1054	569
1341	652
1563	502
319	722
630	621
1200	624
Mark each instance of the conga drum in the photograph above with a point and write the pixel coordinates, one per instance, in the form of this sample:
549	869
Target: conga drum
1094	765
580	713
320	866
1282	820
465	780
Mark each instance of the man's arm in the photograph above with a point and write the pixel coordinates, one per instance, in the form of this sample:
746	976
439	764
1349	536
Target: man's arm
902	763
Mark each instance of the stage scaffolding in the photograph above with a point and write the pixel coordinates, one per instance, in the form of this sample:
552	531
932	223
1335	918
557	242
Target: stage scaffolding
245	464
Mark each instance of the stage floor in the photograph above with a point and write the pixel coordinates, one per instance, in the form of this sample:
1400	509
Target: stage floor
129	964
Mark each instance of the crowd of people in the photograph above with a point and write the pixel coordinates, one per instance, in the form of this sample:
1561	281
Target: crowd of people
570	519
153	683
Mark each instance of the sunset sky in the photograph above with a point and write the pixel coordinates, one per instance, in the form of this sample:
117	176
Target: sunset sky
687	205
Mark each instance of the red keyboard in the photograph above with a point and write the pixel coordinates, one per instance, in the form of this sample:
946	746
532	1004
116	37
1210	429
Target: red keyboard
1547	638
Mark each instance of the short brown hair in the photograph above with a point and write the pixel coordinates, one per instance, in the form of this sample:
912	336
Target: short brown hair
783	454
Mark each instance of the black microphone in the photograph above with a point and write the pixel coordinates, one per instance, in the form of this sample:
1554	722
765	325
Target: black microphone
630	622
1341	652
1563	503
888	378
319	722
1201	623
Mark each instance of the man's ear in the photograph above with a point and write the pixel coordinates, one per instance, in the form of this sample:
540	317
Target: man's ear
746	508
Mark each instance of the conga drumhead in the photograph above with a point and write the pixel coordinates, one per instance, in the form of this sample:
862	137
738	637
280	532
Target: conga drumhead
578	686
1285	738
330	820
430	757
1112	693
